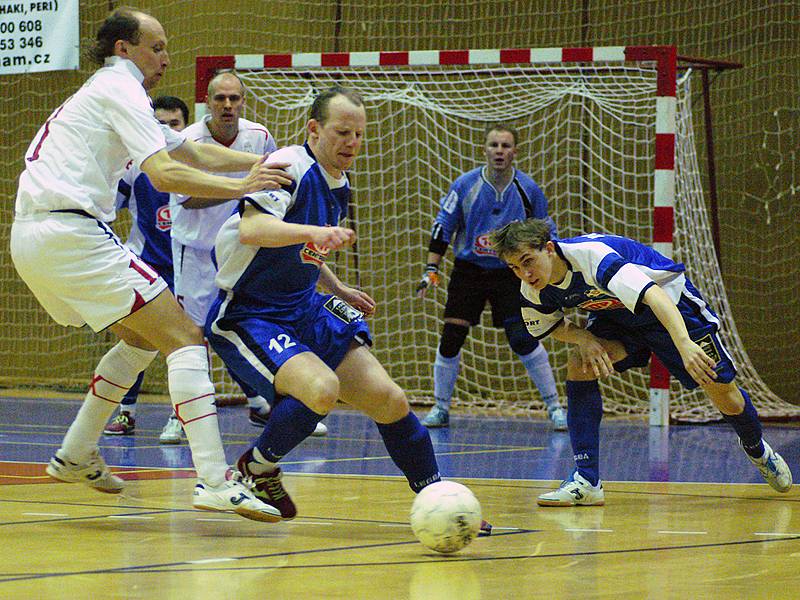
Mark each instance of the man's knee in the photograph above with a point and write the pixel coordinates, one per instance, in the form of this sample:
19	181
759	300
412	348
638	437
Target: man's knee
321	393
520	341
453	336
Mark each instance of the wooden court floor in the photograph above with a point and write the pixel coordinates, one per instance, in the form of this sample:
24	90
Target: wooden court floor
352	540
652	539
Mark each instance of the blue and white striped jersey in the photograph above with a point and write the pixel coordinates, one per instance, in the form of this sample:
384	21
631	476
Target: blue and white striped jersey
473	208
273	281
607	275
151	223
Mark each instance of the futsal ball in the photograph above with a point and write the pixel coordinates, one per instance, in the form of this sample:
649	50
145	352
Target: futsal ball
445	516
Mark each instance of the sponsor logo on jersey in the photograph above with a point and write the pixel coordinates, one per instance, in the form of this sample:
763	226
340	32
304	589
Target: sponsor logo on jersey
313	255
708	346
483	246
164	218
342	310
601	304
449	204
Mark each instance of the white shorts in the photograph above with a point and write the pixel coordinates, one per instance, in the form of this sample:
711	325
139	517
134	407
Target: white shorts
194	281
79	270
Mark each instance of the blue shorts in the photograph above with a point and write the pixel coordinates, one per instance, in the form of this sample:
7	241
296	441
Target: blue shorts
255	347
702	325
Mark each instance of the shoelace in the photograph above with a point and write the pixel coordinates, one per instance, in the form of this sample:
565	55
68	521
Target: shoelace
273	483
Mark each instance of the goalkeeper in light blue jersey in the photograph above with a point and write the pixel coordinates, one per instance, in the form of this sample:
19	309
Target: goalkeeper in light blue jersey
478	202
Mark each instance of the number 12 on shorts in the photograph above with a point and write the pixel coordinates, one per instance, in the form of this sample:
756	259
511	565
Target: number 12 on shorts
280	343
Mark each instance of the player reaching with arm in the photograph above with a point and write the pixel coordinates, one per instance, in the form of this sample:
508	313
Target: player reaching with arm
291	343
639	302
81	273
478	202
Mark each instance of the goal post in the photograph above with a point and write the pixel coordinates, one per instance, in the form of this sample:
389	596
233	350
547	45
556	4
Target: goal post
605	131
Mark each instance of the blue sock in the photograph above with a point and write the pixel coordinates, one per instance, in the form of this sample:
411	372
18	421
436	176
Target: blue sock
290	423
747	427
132	394
537	364
445	373
409	445
584	413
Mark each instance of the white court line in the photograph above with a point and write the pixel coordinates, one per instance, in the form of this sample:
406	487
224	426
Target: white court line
217	520
131	517
684	532
599	530
210	560
45	514
775	533
323	523
403	525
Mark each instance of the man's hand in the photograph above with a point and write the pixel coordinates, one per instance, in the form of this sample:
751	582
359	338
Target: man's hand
429	279
595	358
357	299
333	238
699	364
266	176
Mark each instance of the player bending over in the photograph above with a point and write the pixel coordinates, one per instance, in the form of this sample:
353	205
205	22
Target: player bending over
286	340
638	301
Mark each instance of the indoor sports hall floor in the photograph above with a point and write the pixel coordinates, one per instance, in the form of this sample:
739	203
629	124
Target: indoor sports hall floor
686	516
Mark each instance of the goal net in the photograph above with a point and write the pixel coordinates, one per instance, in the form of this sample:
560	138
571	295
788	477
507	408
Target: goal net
598	131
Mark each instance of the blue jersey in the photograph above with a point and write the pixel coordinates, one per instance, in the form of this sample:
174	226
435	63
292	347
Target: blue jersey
151	223
274	282
473	208
607	276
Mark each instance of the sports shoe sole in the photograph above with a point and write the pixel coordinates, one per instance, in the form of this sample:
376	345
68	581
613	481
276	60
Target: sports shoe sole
169	441
54	474
253	515
541	502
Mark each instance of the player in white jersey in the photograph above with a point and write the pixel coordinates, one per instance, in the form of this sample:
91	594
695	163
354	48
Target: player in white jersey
81	272
149	238
196	221
639	302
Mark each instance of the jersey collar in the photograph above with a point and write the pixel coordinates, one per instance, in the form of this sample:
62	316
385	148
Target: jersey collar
124	63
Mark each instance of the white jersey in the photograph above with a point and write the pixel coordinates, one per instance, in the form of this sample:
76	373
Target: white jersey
197	228
79	155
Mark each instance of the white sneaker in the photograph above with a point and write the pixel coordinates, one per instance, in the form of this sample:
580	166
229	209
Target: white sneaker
94	472
172	432
575	491
773	468
321	430
233	495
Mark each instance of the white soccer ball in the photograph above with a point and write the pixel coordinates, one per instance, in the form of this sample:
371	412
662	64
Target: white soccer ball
445	516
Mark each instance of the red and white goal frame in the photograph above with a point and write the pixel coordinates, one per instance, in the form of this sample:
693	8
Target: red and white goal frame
664	59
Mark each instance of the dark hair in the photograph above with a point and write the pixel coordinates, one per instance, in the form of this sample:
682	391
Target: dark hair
520	235
319	108
501	127
122	24
172	103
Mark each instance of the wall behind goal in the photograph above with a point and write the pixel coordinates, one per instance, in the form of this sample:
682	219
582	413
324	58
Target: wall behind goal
756	114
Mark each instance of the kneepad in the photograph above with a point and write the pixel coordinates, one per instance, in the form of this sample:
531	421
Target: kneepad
453	337
521	342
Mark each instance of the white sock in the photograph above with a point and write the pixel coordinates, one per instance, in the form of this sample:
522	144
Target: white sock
445	373
260	465
537	364
259	403
115	374
192	395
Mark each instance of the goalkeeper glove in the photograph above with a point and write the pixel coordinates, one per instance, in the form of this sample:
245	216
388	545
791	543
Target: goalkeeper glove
429	279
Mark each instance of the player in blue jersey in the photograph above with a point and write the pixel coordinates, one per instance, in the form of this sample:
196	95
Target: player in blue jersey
289	342
478	202
638	302
149	238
